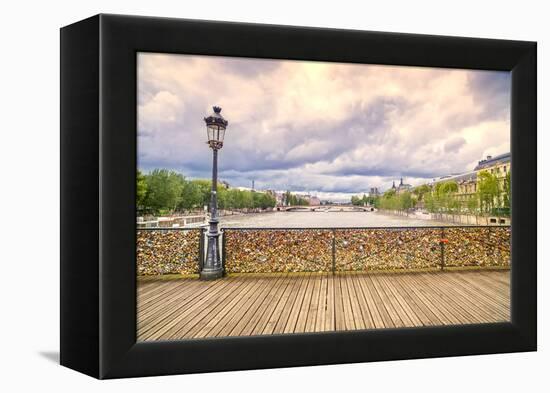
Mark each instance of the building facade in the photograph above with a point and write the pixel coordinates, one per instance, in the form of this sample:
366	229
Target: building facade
468	182
402	187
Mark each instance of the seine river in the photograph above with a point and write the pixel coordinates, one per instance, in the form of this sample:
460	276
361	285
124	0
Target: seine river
325	220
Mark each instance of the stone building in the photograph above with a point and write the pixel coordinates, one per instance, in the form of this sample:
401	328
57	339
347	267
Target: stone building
374	192
402	187
467	182
498	166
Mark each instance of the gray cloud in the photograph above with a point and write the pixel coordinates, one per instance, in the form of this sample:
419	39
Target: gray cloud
322	127
454	145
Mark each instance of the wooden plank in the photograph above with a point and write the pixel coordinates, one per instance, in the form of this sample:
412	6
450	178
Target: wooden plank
322	305
284	303
474	292
160	316
146	289
439	301
268	311
339	304
500	276
357	315
494	303
294	313
195	312
386	301
444	300
406	314
255	304
386	318
314	304
365	284
218	323
490	286
362	302
224	304
302	316
405	293
484	298
459	303
172	318
160	289
269	298
346	302
254	309
290	304
419	300
159	298
330	315
235	318
170	296
501	290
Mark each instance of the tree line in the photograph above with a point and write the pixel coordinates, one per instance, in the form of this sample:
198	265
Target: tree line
492	197
363	201
290	199
163	191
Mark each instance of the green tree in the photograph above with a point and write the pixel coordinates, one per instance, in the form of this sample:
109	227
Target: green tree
223	197
287	198
191	197
446	188
141	189
390	193
247	200
488	191
430	203
472	205
389	200
405	201
164	189
507	191
422	190
263	200
256	200
204	187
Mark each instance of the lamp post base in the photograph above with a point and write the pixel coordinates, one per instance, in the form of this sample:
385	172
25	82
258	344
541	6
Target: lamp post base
211	274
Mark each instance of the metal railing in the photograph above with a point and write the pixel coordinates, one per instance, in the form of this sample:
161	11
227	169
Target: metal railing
169	250
365	249
267	250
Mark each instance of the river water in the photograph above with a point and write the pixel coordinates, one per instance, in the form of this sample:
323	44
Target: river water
300	219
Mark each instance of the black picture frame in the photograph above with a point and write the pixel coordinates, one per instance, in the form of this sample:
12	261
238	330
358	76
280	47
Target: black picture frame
98	169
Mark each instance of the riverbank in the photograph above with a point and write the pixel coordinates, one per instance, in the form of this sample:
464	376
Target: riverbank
327	219
446	219
301	219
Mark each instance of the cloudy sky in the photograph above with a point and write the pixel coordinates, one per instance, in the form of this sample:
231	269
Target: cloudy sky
330	129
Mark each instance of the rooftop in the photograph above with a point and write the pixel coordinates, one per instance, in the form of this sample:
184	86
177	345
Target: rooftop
468	176
492	161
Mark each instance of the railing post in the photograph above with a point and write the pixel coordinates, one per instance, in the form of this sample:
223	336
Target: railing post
223	251
442	245
333	251
490	251
201	248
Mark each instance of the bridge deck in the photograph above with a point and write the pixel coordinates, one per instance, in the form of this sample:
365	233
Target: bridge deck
255	304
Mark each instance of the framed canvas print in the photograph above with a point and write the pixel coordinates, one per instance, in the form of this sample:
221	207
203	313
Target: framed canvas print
239	196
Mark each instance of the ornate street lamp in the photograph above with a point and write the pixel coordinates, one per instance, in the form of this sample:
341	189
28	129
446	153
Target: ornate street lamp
215	129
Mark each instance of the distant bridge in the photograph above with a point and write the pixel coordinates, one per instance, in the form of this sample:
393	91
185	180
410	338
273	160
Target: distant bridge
325	208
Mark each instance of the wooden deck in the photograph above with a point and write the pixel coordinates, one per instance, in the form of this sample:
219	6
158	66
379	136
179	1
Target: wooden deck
254	304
